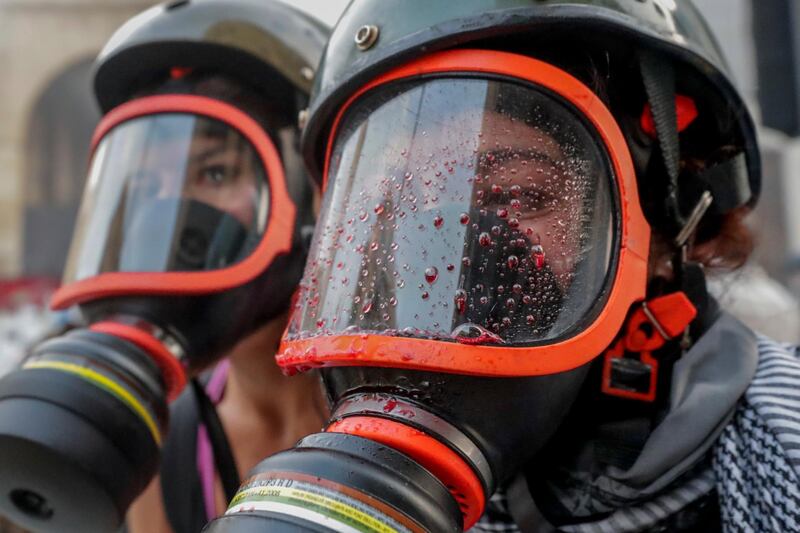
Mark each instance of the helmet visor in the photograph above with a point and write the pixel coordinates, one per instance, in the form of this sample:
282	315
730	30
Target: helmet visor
479	211
170	192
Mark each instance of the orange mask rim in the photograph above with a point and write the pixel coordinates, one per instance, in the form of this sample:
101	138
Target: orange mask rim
629	281
277	238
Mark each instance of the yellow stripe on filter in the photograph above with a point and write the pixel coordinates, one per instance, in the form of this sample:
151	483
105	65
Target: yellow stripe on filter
106	384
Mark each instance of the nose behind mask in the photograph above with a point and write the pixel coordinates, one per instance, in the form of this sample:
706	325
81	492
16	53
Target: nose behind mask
525	292
209	238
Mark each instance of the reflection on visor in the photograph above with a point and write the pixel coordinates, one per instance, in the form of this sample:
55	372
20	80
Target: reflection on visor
461	209
169	193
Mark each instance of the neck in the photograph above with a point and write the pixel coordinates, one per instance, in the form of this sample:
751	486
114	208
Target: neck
256	384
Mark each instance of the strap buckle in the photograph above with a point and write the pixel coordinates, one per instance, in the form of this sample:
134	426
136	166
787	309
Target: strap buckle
629	368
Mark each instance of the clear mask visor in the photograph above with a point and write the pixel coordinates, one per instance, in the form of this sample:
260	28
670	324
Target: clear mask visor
465	210
169	192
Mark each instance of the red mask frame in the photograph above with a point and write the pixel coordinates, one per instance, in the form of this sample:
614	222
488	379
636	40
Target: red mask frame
277	238
630	279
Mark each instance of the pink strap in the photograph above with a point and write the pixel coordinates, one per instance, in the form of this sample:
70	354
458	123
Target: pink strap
205	453
216	385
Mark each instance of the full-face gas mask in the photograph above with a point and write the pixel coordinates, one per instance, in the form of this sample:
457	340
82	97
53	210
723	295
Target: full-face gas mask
191	234
482	242
186	196
479	244
186	241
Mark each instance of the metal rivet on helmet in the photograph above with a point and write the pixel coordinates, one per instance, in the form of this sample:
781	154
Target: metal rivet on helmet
366	36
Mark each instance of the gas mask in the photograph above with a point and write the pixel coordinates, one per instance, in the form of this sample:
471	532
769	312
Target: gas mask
480	243
187	240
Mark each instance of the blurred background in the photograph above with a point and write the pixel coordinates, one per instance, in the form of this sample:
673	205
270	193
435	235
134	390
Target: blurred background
47	115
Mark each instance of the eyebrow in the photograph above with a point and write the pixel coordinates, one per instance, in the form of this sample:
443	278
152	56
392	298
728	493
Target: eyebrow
507	154
208	153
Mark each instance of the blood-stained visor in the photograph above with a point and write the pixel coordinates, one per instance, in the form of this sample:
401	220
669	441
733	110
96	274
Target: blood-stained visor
480	217
185	194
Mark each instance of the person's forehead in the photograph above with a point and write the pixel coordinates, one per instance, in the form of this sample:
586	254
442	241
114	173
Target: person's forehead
503	133
475	133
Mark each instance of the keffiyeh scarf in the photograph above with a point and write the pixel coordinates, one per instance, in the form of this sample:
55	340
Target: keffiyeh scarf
754	465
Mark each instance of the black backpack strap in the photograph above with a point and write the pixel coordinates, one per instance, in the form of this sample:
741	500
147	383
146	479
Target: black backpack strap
523	509
181	489
181	486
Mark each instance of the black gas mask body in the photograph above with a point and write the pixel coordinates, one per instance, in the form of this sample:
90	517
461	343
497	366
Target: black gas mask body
464	273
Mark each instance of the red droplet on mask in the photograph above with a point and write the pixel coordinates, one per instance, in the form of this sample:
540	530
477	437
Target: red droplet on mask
389	406
461	300
431	274
537	254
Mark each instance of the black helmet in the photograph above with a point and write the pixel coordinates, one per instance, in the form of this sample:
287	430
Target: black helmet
267	44
374	35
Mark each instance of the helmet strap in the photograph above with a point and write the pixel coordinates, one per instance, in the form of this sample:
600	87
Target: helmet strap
659	82
727	181
665	116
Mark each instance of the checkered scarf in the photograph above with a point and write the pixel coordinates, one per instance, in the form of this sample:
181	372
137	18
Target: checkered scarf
754	466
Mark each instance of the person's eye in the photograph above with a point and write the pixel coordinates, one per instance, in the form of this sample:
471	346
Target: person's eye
535	203
214	174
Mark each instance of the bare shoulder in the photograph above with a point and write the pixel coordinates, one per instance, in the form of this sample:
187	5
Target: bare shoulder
147	515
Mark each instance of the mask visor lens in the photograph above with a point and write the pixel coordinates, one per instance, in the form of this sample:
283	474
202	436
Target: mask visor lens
170	192
465	210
